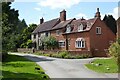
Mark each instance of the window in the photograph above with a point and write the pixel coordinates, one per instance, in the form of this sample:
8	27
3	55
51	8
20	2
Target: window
98	30
68	28
80	28
57	32
80	43
47	34
34	36
61	43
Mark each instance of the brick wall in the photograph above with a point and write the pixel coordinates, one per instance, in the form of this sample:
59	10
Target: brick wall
26	50
100	42
73	38
59	37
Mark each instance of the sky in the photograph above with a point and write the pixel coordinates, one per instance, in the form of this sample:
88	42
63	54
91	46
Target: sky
50	9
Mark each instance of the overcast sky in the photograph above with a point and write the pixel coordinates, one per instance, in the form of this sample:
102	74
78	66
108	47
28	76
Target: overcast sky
49	9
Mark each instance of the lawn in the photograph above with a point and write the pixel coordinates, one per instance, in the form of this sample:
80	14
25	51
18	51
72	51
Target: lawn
18	68
104	66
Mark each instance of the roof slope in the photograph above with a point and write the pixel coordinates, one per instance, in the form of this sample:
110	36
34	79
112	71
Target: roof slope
46	26
87	24
63	24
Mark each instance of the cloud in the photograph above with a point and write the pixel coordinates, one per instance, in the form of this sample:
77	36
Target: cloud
80	15
38	9
55	4
115	12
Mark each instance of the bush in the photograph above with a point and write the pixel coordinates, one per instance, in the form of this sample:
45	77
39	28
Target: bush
114	51
63	54
78	57
50	42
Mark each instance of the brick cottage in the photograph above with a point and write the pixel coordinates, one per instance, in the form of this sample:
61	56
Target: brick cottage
76	35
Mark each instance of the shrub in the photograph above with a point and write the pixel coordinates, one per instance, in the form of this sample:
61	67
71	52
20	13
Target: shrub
63	54
78	57
114	51
68	57
50	42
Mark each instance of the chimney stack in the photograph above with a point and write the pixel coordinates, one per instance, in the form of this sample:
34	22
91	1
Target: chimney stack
41	20
97	13
63	15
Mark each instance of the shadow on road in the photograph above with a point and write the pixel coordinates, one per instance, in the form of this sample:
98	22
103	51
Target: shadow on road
37	59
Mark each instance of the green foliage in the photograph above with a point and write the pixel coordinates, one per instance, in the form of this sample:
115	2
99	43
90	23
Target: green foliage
9	23
50	42
18	68
21	26
11	27
15	32
26	36
65	55
27	44
118	40
114	51
111	23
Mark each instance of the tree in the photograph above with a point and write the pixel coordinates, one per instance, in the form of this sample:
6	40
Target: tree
21	26
111	23
26	35
9	23
50	42
12	28
27	44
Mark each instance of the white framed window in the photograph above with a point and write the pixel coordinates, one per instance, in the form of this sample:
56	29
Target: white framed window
61	43
80	27
98	30
80	43
68	28
57	32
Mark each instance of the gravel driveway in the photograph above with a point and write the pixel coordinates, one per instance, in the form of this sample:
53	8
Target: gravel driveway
67	68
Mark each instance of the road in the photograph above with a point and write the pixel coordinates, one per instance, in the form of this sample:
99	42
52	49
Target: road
67	68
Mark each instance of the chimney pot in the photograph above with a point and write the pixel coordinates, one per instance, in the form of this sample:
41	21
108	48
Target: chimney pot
41	20
97	13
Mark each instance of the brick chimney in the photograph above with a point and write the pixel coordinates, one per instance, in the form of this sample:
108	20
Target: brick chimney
98	14
63	15
41	20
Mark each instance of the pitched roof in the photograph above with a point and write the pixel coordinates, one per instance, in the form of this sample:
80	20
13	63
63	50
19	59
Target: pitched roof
46	26
87	24
63	24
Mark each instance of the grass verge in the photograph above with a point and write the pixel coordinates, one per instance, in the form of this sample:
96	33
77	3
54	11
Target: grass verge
18	68
103	66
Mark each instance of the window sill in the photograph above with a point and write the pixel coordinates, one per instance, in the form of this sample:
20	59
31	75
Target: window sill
98	33
80	47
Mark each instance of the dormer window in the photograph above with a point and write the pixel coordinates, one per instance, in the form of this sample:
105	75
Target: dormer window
80	27
68	28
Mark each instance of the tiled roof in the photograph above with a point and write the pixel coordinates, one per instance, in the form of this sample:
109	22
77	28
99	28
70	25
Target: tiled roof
46	26
87	24
56	24
63	24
